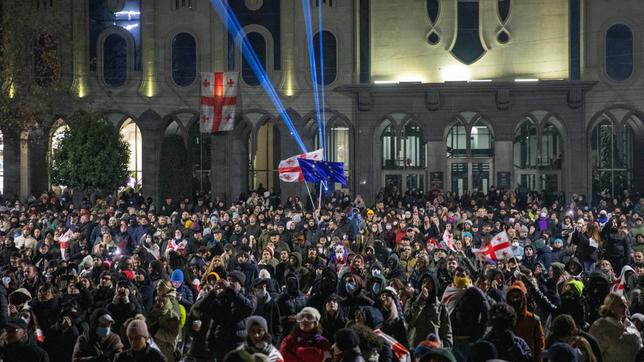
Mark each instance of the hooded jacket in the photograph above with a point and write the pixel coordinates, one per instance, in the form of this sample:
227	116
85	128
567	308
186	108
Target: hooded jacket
354	300
325	286
428	316
89	345
291	301
528	325
395	269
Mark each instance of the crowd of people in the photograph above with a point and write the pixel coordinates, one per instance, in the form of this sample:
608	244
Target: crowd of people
265	279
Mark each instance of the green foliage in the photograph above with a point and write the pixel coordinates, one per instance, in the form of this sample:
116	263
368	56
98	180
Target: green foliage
92	156
175	174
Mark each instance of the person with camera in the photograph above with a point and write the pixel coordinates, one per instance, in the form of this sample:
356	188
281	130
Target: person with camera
586	239
122	306
228	306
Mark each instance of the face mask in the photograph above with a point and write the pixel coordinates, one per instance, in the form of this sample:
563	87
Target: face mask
261	293
376	272
388	227
376	288
462	282
350	288
515	243
102	331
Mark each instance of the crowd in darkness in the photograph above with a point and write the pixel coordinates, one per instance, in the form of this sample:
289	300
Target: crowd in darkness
269	279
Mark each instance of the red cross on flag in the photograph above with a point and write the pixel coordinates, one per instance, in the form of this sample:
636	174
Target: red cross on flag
289	169
448	241
499	248
218	101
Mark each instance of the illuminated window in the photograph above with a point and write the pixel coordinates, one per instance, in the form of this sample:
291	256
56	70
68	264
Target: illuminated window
263	167
132	136
106	14
258	43
481	140
612	157
457	141
329	57
551	151
525	146
619	52
56	134
115	60
388	139
413	146
184	59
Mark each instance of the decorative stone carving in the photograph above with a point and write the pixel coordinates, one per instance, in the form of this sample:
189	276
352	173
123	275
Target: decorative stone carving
503	99
575	97
364	101
432	100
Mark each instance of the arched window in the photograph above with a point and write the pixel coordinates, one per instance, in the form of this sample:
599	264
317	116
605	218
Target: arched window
389	140
258	43
619	52
184	59
525	146
329	45
612	157
174	128
115	60
56	134
457	141
551	152
413	146
132	135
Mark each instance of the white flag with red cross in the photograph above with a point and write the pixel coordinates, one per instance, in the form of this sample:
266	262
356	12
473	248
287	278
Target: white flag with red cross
289	169
499	248
218	101
448	241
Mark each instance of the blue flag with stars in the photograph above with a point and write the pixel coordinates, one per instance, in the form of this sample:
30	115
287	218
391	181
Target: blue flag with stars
323	171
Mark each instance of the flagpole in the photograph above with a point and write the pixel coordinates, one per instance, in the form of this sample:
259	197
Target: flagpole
312	201
320	199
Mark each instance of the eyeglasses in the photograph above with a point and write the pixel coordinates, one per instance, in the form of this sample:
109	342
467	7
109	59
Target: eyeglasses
305	318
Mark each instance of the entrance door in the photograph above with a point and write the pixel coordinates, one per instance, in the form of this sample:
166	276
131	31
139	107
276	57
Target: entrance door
406	180
468	175
533	180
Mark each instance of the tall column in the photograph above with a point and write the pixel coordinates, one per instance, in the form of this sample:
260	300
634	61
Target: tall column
80	56
25	184
437	164
503	159
149	66
288	21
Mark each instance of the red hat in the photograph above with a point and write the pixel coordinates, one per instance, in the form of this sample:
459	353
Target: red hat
129	275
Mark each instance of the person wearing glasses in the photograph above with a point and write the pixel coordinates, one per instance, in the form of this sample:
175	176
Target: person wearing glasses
306	342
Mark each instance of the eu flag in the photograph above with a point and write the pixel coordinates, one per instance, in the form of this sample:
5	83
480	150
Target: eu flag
325	171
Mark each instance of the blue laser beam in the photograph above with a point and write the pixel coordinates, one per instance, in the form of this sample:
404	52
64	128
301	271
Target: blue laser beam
306	10
322	100
235	30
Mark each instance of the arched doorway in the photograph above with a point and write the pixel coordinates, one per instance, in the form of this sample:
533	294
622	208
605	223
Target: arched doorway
132	136
56	134
263	166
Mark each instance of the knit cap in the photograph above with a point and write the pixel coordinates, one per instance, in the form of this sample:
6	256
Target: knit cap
137	328
558	269
177	276
255	319
578	285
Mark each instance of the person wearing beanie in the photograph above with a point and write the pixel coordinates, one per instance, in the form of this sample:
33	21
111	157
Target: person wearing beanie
346	348
183	291
332	319
528	326
258	340
394	324
267	308
305	342
140	349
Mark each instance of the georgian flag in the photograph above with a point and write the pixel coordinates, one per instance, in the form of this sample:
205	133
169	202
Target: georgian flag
499	248
289	169
619	284
447	241
218	101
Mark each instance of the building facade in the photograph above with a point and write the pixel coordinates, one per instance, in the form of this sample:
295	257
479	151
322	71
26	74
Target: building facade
461	94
